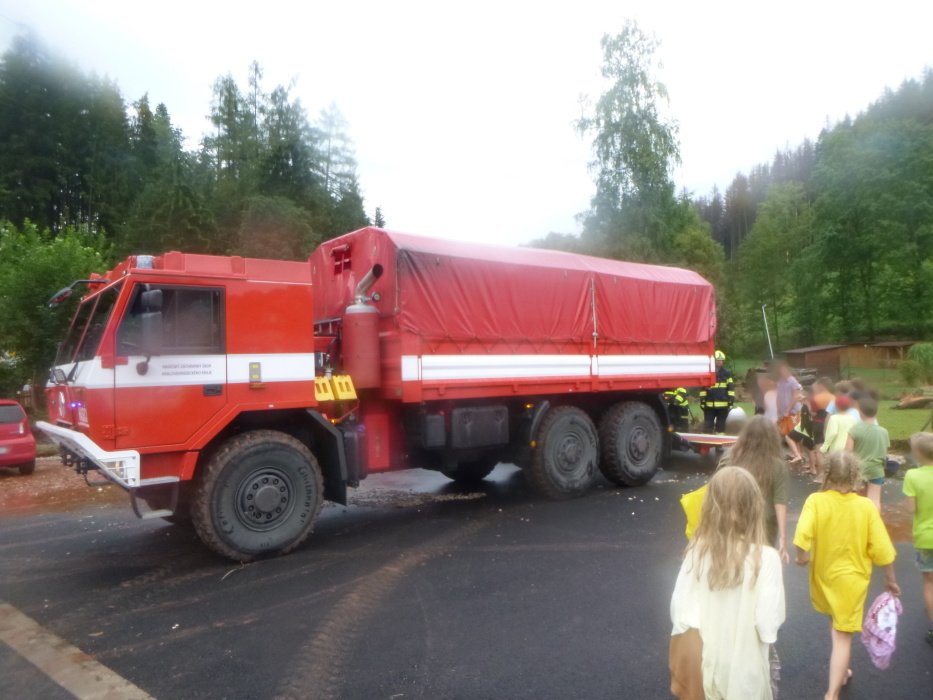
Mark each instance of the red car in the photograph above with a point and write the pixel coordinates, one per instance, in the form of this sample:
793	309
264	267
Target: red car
17	443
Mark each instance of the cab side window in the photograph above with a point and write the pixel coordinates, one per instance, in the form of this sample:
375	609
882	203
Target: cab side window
192	321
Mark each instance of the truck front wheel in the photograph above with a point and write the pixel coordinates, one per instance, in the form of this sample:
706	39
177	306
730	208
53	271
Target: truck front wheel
565	455
257	495
630	439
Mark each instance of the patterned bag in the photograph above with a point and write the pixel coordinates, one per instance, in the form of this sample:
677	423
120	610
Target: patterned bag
880	629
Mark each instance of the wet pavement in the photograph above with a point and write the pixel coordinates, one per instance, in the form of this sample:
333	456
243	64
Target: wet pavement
419	589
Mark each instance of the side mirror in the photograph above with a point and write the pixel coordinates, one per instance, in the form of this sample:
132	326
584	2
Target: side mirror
57	375
60	296
152	332
151	300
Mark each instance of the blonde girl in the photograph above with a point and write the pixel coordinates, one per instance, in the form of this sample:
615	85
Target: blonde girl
840	534
730	590
758	449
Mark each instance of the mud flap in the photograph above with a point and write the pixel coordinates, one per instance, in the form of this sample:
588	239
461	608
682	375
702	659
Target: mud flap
332	457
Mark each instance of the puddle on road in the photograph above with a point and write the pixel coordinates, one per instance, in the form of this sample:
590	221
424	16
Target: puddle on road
388	498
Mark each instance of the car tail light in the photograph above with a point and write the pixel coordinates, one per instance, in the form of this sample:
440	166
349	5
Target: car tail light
22	428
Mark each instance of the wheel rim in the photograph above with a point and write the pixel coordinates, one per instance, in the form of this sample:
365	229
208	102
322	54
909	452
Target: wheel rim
264	499
570	454
638	448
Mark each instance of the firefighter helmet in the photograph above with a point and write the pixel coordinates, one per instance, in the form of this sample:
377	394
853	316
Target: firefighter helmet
719	355
680	391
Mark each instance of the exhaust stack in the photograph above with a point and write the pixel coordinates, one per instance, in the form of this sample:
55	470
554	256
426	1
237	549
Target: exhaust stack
369	279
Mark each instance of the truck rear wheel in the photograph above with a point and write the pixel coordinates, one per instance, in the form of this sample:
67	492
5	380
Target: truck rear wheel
564	459
631	443
471	471
258	495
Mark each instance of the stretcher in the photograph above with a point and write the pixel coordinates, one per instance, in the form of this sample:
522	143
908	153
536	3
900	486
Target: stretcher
703	443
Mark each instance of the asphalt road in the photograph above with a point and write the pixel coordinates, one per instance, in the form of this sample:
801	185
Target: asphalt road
421	589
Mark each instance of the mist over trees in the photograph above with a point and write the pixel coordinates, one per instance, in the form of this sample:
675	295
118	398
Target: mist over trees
266	180
635	213
87	177
835	236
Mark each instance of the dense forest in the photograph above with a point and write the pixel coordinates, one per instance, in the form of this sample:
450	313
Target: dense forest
835	236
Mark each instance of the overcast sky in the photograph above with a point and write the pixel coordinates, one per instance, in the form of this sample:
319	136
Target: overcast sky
462	112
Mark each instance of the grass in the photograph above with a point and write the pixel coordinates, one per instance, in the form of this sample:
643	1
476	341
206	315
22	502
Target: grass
902	424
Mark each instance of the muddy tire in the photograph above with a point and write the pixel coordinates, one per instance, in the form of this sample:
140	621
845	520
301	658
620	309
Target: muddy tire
564	461
631	442
258	495
27	468
472	471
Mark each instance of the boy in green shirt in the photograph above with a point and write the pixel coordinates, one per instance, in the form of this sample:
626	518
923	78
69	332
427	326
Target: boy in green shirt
870	442
918	487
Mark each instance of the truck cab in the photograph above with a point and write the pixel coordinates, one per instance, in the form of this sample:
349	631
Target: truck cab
167	358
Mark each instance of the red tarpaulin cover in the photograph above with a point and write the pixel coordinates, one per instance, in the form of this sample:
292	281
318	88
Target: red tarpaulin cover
492	296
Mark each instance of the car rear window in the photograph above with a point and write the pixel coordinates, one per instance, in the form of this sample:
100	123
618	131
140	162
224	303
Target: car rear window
11	414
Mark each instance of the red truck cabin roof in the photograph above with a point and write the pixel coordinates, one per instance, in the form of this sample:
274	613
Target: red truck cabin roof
228	267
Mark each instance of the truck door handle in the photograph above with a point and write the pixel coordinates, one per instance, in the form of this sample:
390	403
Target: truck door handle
213	389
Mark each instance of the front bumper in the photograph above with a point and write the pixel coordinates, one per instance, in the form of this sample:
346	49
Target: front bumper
121	466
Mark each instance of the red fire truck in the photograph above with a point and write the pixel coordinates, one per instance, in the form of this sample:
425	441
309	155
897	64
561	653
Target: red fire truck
241	393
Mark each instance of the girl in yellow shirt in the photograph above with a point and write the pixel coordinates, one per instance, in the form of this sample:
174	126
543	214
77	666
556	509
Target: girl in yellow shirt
840	534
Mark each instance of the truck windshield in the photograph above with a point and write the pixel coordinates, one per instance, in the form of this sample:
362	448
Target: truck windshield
87	327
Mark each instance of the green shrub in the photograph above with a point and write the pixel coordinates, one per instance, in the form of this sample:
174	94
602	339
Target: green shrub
912	372
922	354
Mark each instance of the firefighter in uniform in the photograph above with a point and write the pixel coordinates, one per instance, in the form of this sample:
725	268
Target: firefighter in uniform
678	408
717	400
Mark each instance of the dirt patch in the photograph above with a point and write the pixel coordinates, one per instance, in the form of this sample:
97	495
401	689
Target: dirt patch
900	523
52	487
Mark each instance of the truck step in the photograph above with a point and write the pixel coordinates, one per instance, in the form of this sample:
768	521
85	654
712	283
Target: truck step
152	514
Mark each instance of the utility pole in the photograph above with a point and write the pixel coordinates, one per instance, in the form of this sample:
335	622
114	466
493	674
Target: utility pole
767	332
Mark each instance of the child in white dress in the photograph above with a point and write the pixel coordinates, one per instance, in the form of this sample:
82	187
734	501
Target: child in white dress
730	589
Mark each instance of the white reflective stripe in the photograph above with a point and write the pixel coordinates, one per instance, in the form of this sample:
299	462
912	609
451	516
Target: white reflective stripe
171	370
453	367
627	365
438	367
276	367
194	370
411	368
